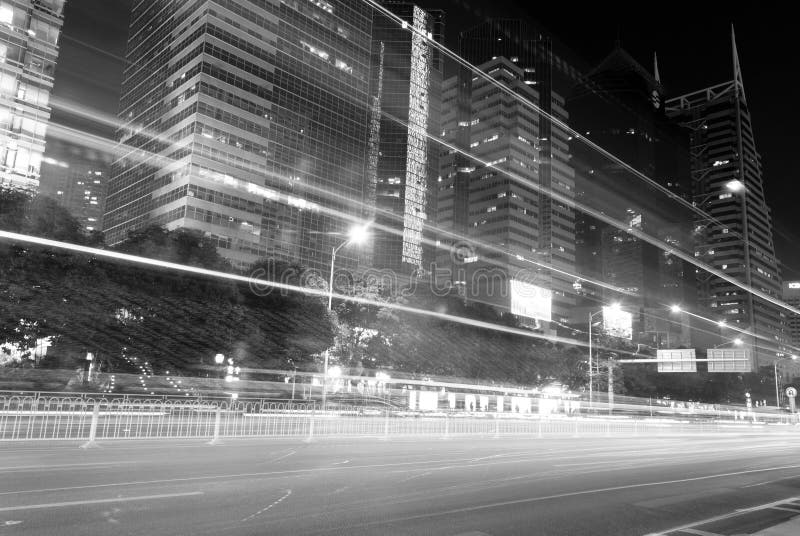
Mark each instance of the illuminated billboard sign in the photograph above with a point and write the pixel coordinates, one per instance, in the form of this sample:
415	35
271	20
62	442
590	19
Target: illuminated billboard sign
618	323
682	360
794	284
729	360
530	301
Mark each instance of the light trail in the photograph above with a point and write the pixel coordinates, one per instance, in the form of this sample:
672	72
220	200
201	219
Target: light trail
16	237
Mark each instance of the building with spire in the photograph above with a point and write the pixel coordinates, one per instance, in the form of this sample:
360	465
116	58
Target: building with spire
735	234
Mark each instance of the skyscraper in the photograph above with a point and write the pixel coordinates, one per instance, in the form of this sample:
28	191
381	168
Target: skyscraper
77	177
29	32
502	191
247	121
534	147
619	106
736	238
405	119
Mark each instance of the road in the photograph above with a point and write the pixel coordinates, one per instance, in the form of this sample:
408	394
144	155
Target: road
525	486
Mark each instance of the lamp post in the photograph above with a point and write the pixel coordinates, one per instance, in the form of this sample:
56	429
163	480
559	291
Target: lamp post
775	372
357	235
591	371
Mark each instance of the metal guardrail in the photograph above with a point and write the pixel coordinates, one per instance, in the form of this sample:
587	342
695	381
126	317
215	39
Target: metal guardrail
87	418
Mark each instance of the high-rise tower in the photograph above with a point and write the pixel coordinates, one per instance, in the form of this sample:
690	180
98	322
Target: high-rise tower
405	91
29	32
247	121
736	238
547	227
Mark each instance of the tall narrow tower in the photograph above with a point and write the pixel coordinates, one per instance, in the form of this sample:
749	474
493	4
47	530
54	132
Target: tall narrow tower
736	237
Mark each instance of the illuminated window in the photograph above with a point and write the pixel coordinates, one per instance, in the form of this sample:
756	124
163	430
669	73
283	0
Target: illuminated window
6	14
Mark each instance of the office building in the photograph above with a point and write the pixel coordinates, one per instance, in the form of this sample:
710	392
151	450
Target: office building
76	176
405	121
735	234
29	33
533	229
247	121
498	222
619	106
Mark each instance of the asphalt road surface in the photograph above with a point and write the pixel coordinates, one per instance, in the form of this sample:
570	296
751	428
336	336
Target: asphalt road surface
464	487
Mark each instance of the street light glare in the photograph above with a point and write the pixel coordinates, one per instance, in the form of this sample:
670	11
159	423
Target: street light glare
737	342
675	308
722	323
616	306
735	185
359	234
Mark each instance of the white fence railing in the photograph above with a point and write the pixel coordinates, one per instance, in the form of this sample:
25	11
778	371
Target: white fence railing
34	417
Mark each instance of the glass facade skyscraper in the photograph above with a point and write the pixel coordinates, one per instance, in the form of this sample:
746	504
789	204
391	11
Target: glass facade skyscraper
247	121
29	33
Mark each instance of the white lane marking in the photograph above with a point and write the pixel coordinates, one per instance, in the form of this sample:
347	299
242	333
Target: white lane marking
771	481
341	463
584	463
416	476
281	457
784	508
97	501
530	500
496	456
339	490
248	518
729	515
58	466
10	523
699	532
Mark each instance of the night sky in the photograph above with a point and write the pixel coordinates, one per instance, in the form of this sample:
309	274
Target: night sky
693	47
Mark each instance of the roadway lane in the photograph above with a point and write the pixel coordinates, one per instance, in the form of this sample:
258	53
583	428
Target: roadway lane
402	487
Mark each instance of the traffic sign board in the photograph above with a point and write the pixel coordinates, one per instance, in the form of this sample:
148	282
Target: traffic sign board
791	392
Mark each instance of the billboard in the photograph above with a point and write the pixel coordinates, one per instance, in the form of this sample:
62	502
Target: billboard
618	323
682	360
530	301
729	360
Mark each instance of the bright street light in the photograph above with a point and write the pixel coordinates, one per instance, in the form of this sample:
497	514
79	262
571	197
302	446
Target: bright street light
735	185
358	234
737	342
675	308
219	358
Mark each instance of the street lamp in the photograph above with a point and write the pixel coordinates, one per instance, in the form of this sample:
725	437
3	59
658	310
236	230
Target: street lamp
775	372
591	373
357	235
